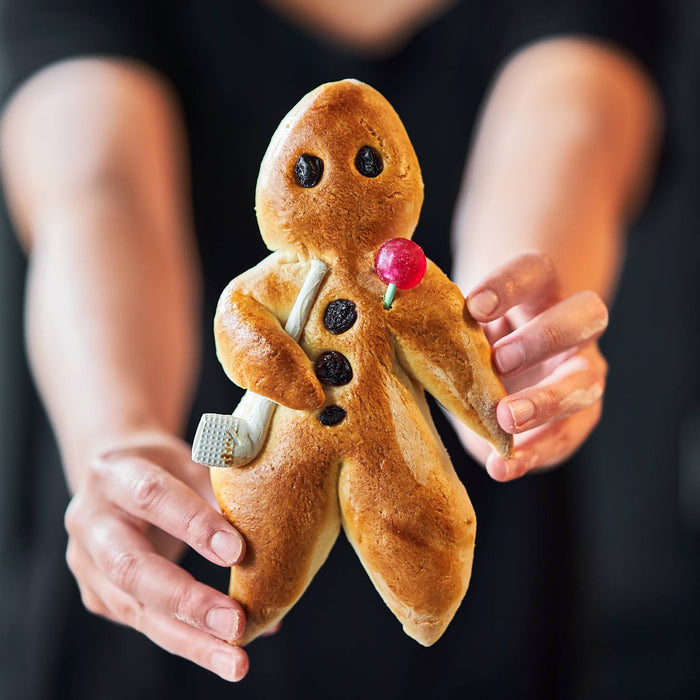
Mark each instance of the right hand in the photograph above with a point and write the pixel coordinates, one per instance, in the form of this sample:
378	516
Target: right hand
546	352
127	522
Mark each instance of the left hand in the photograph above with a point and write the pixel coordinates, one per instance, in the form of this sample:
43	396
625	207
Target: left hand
544	348
135	509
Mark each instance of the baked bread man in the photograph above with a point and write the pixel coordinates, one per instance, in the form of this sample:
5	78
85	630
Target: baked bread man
351	442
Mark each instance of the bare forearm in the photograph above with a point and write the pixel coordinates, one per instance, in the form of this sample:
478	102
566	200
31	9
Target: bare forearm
110	330
93	166
112	290
561	161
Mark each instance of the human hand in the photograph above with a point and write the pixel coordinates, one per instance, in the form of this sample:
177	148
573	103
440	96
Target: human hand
129	518
545	351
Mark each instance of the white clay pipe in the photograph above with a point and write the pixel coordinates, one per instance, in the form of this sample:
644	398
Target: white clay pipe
233	440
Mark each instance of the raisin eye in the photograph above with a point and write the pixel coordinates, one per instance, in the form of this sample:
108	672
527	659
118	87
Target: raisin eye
308	170
368	162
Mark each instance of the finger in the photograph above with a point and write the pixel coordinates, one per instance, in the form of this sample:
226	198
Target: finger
231	663
92	602
273	630
126	559
166	545
495	330
228	662
546	446
578	319
528	278
151	493
76	558
573	386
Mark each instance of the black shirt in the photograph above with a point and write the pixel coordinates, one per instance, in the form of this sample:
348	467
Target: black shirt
520	633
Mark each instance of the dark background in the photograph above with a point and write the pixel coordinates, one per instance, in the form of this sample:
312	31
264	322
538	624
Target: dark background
586	580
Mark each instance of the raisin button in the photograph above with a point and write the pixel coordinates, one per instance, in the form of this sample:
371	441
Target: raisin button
331	415
340	315
333	368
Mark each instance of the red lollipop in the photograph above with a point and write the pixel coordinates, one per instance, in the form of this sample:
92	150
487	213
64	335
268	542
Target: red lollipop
399	263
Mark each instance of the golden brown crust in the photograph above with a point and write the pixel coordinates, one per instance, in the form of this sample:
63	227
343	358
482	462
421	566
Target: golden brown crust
445	350
408	516
387	424
346	212
258	355
285	504
383	464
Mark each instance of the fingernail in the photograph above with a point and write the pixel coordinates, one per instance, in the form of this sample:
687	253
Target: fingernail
223	622
224	664
522	410
226	546
483	304
509	358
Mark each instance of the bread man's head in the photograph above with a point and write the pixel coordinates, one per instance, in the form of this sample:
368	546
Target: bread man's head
340	175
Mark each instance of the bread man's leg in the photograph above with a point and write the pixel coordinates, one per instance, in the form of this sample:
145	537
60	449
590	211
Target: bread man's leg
285	505
411	523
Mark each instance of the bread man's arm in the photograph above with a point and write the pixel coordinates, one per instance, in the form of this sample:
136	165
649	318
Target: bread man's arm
251	343
442	348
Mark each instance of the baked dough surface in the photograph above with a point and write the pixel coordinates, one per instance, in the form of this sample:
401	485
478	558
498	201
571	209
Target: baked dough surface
381	472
